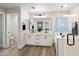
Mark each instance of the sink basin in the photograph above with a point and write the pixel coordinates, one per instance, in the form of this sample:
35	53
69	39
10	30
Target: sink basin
58	37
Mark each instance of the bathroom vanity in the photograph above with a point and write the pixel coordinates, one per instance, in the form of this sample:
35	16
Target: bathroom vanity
40	39
40	32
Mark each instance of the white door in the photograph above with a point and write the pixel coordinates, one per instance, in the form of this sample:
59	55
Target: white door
12	26
1	38
2	30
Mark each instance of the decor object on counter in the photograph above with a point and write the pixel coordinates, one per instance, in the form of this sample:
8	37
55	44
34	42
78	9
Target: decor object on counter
46	30
62	35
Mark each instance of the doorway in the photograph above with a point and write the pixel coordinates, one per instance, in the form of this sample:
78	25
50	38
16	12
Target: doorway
12	29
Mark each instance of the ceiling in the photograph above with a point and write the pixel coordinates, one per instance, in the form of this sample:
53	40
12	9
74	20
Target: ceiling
41	7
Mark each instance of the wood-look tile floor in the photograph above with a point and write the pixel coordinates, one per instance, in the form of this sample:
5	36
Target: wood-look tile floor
28	51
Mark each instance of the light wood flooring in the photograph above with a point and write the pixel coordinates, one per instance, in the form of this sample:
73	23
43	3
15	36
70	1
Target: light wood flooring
28	50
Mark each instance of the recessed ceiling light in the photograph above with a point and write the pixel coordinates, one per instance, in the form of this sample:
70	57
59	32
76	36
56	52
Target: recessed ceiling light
61	6
64	5
33	7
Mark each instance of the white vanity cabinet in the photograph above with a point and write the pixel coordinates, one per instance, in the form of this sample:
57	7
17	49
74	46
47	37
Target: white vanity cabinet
39	39
29	39
46	40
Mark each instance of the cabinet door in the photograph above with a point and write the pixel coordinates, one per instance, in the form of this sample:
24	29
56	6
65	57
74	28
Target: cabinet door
37	39
46	40
28	39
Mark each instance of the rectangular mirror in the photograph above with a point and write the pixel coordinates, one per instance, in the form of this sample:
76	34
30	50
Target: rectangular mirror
39	26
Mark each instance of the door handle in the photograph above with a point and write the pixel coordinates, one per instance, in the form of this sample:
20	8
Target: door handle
72	39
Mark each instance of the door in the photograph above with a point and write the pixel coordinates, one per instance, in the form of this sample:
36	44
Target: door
1	36
12	27
2	30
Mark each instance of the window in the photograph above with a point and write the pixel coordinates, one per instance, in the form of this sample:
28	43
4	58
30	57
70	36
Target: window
61	24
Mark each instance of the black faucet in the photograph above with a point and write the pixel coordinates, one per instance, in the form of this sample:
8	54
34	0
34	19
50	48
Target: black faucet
62	35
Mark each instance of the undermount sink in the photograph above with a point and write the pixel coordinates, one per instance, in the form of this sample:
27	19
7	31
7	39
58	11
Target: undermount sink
58	37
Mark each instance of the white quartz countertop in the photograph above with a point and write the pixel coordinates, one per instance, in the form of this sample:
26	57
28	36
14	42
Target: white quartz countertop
71	37
37	33
60	37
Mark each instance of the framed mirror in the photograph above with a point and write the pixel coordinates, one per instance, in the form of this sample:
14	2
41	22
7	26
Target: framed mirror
39	26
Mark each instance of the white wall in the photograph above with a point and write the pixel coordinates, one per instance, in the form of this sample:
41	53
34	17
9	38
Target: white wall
23	16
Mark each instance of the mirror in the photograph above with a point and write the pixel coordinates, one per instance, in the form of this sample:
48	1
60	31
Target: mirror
39	26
